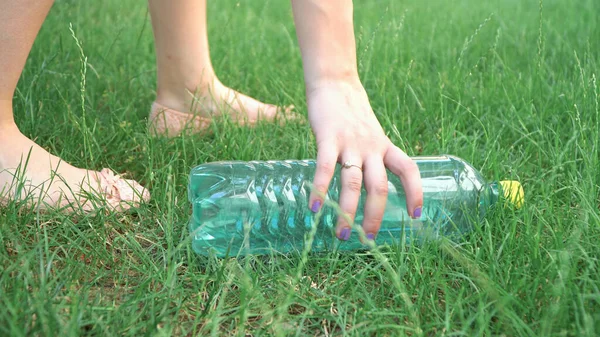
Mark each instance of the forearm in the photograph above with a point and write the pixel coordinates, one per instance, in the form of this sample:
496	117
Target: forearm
325	32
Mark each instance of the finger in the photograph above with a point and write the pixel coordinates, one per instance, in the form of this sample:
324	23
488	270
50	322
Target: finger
376	184
327	154
404	167
351	181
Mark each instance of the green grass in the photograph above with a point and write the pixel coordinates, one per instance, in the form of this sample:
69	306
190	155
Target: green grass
510	86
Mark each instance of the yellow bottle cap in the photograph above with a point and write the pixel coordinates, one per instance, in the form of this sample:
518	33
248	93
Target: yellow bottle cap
513	192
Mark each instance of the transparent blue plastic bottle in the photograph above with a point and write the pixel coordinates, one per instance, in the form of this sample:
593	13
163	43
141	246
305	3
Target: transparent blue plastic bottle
259	207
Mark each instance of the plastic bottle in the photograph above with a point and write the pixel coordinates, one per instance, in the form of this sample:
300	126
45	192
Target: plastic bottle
259	207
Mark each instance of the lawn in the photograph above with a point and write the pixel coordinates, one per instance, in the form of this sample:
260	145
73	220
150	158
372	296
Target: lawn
510	86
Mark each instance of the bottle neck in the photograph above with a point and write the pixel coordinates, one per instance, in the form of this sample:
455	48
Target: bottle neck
495	192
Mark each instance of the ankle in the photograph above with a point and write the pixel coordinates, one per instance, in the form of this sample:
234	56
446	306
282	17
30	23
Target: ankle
186	95
8	130
7	122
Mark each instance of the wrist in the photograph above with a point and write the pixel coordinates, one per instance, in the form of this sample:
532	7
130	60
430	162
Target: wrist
349	81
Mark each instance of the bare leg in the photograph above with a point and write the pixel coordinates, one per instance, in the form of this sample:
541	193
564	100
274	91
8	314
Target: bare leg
46	177
187	84
20	22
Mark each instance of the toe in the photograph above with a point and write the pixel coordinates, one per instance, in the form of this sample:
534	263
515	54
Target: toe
289	114
122	194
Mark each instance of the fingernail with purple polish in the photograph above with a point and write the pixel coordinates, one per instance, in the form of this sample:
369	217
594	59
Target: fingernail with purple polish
371	236
417	213
345	234
315	206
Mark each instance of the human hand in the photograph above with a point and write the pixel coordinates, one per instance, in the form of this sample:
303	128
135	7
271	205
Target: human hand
347	130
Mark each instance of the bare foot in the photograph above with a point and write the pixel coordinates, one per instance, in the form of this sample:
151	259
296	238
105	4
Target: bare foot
170	116
29	173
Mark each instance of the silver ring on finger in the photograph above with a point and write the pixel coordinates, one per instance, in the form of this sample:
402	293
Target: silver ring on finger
348	165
